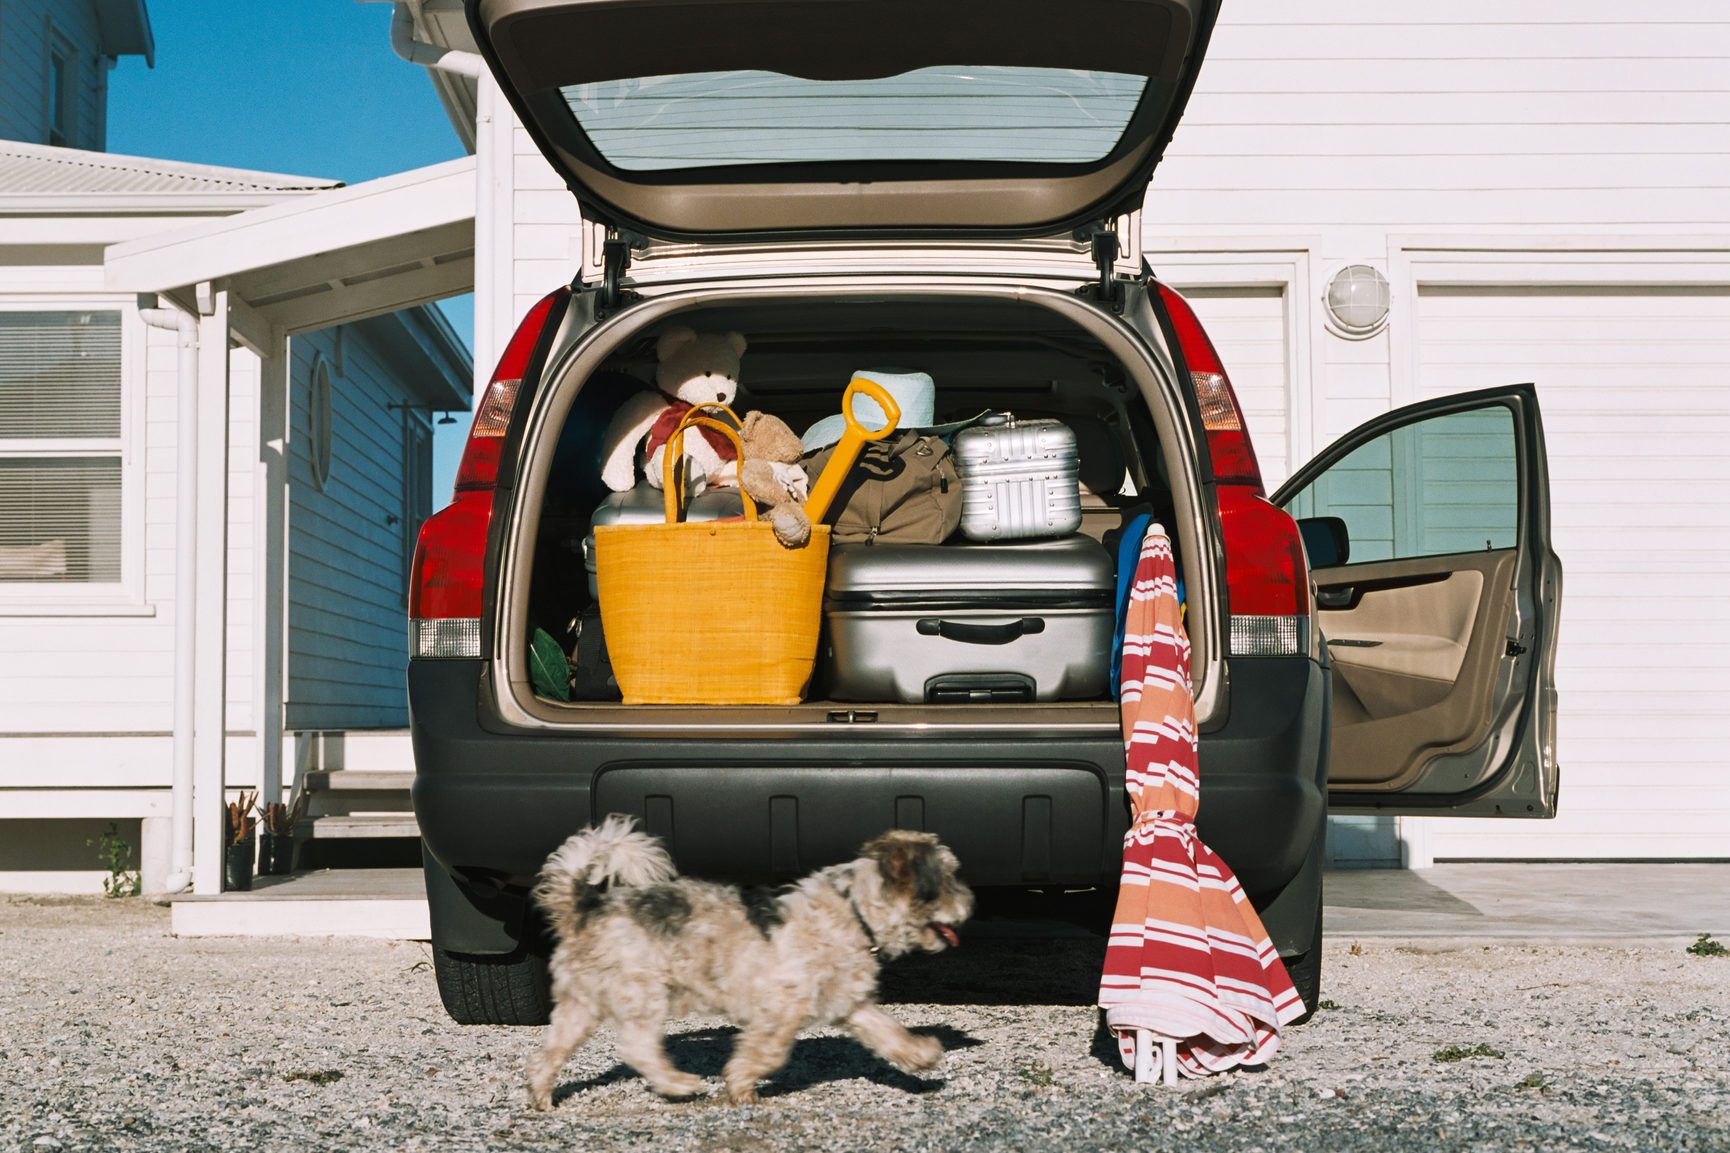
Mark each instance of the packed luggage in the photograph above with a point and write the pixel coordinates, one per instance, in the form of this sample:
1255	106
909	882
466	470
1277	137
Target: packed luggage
942	563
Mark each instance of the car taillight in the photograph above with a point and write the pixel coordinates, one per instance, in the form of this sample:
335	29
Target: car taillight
445	584
1266	573
1221	416
1266	576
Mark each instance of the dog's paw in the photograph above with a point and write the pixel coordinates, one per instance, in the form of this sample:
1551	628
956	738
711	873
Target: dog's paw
681	1085
920	1054
742	1094
540	1100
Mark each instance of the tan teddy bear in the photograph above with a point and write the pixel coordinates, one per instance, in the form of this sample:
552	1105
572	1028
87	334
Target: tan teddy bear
771	476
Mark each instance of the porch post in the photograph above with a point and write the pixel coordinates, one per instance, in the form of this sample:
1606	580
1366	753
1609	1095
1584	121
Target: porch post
269	541
210	691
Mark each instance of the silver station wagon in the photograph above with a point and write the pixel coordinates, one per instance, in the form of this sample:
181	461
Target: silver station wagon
954	188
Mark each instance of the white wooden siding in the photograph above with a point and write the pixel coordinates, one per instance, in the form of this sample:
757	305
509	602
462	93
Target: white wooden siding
1358	117
24	26
347	624
1636	413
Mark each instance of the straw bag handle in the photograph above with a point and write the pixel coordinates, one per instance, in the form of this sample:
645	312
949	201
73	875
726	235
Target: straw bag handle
847	449
673	475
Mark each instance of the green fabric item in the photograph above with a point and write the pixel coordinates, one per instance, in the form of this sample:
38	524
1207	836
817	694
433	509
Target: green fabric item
548	669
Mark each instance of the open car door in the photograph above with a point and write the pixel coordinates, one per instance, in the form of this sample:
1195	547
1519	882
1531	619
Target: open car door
1438	595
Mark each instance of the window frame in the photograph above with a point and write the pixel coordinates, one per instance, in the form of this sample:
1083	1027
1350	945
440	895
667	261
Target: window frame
60	50
1379	427
126	596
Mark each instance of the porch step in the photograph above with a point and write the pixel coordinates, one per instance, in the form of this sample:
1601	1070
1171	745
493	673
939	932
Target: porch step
367	780
356	826
358	792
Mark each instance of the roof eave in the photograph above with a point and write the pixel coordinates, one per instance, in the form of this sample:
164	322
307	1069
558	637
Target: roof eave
125	30
142	203
430	356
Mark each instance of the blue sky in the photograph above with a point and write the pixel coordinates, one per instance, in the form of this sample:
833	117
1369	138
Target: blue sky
309	87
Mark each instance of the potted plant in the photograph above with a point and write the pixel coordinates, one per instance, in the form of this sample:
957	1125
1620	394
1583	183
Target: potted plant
238	825
276	837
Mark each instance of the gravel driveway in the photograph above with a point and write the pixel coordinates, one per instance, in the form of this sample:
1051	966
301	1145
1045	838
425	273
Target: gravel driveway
115	1035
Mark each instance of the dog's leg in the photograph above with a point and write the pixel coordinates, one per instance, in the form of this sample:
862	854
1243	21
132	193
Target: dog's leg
641	1046
886	1037
761	1049
571	1025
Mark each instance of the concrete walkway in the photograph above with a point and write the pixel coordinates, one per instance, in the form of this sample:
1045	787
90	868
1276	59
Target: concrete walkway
1513	900
1500	901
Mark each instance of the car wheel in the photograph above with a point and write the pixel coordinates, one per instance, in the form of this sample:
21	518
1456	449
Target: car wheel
512	989
1305	971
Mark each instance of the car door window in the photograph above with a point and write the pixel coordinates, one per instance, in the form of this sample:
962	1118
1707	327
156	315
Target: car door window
1449	484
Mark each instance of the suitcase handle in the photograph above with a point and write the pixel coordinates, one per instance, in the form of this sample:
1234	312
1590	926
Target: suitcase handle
970	634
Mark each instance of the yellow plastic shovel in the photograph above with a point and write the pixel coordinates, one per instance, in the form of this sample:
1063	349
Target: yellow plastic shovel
852	442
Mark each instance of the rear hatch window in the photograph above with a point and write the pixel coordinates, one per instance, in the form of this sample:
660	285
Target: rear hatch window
942	113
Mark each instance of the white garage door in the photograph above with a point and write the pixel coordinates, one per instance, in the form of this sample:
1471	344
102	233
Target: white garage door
1635	390
1248	328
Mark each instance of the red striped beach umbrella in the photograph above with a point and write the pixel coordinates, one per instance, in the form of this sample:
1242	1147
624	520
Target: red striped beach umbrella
1192	984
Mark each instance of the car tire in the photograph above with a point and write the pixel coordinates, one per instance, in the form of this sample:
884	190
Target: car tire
512	989
1305	971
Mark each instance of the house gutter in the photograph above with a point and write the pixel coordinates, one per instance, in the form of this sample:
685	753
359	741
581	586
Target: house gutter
185	585
404	44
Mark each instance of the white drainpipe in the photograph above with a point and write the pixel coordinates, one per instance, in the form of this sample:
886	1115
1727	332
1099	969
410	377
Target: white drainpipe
404	44
185	584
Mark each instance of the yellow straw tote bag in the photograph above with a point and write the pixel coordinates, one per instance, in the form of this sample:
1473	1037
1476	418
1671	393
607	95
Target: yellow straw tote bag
712	613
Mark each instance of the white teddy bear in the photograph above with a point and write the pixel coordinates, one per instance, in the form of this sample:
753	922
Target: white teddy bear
693	369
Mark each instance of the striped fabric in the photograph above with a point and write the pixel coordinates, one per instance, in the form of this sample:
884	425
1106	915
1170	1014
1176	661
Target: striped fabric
1188	958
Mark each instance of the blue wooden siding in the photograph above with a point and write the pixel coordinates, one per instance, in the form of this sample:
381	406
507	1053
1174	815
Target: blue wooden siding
347	625
1443	485
25	31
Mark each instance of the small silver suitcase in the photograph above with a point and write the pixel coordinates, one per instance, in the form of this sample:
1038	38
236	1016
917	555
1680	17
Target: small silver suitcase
969	623
647	504
1019	479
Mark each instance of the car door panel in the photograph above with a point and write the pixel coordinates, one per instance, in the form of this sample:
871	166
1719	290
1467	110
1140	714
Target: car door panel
1413	663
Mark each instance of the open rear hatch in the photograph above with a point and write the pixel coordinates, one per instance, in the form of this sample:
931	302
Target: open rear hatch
764	119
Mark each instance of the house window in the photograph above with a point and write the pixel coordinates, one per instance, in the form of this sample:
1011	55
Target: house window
318	419
60	448
62	95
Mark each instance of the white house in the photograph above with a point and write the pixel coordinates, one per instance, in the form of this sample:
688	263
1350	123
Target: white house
204	527
1546	186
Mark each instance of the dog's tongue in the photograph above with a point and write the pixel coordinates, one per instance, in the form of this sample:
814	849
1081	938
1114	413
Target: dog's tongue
948	934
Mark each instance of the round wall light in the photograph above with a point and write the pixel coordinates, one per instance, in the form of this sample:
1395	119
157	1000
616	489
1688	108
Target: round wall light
1357	301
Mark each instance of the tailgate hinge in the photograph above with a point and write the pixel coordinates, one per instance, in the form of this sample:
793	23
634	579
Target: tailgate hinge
615	261
1104	241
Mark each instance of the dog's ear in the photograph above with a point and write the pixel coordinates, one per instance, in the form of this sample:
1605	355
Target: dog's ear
909	862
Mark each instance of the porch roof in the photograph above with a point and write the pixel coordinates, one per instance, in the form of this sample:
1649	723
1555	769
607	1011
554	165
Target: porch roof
327	258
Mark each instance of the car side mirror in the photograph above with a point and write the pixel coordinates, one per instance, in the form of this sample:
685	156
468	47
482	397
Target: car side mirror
1325	540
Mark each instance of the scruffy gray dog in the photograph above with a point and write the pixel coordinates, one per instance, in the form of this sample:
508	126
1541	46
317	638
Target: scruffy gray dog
638	944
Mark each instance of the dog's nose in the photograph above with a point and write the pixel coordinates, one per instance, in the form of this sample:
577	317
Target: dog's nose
722	397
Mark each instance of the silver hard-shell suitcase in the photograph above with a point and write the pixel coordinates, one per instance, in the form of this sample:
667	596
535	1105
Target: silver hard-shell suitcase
647	504
1020	479
1030	621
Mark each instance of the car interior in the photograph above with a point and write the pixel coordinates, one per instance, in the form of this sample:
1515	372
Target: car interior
985	356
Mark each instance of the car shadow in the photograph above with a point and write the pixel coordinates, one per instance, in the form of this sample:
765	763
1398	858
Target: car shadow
1007	963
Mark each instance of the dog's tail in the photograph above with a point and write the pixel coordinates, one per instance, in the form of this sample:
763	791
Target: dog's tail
615	852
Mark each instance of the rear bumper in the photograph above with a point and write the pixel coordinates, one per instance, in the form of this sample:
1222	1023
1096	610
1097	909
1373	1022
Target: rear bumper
1018	810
